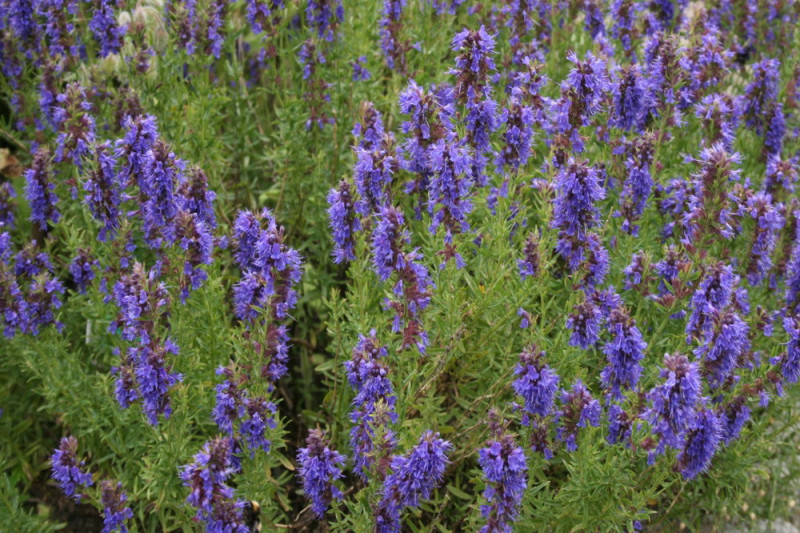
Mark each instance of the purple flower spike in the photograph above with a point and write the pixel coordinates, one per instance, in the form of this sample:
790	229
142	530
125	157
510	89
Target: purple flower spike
319	468
115	513
40	190
104	192
414	477
82	269
769	222
373	406
585	325
76	127
674	403
624	351
504	468
578	187
578	410
536	383
733	417
67	470
724	343
343	221
206	477
529	265
7	206
702	440
105	29
791	358
360	72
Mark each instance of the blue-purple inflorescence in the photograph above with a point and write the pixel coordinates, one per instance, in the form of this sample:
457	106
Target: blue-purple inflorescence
103	192
702	440
584	322
343	221
207	479
414	476
68	470
82	269
674	403
270	271
624	351
504	468
412	290
146	368
40	190
371	440
578	188
115	512
578	410
319	468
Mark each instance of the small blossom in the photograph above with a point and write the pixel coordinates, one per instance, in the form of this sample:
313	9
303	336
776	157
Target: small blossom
584	323
207	479
7	206
67	470
76	127
724	343
40	190
82	269
104	27
319	468
343	221
360	72
529	265
536	383
733	417
624	351
115	513
674	402
414	477
504	468
367	374
578	188
104	192
578	410
702	439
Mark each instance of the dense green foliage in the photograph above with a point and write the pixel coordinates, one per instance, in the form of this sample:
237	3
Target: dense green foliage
246	129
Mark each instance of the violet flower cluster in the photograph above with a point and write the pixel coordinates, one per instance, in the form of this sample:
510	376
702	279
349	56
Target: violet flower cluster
414	476
319	468
266	293
210	494
68	470
504	468
371	439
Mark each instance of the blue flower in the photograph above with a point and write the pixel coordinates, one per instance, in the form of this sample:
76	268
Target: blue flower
504	468
104	27
207	479
373	405
82	269
67	470
40	190
585	324
578	187
414	477
673	404
702	440
624	351
343	221
578	410
535	382
115	513
319	468
104	192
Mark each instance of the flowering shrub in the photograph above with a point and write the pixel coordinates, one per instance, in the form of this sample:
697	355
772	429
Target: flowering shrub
403	265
